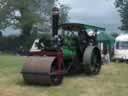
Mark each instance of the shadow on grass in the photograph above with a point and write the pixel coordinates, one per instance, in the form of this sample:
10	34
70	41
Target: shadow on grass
24	84
78	74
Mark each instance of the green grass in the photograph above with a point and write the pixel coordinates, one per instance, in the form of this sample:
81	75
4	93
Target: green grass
112	81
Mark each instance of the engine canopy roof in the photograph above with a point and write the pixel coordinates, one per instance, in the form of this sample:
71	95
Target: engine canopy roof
79	26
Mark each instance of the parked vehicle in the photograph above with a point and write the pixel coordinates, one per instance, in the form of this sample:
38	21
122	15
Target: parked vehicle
121	48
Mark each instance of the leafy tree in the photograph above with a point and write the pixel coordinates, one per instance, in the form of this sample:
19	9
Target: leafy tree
26	14
122	6
30	12
64	10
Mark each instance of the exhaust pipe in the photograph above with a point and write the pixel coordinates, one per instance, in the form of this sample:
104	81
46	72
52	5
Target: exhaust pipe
55	21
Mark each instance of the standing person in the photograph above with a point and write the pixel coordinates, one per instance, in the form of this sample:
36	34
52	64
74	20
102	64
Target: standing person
106	56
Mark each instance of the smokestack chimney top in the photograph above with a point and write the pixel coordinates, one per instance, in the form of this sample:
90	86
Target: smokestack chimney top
55	11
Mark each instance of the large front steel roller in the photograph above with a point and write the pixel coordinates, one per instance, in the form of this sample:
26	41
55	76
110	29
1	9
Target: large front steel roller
41	71
92	60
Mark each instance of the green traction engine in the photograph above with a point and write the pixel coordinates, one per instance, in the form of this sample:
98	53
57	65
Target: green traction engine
72	48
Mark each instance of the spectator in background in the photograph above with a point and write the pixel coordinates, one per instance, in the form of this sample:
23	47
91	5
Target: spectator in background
106	56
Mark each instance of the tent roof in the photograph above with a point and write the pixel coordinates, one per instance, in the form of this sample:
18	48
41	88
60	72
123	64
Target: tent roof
102	36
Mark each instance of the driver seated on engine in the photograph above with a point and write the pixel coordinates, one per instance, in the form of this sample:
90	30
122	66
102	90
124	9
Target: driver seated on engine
40	44
92	37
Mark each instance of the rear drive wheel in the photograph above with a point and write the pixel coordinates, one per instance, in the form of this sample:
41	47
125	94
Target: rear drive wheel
92	60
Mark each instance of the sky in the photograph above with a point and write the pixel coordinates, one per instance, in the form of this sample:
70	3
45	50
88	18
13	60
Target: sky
101	13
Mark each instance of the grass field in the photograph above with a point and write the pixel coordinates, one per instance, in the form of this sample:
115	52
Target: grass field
112	81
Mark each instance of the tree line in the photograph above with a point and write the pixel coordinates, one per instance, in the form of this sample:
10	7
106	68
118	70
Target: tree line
28	15
122	6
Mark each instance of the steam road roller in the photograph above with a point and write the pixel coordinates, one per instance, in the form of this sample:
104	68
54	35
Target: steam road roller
70	49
